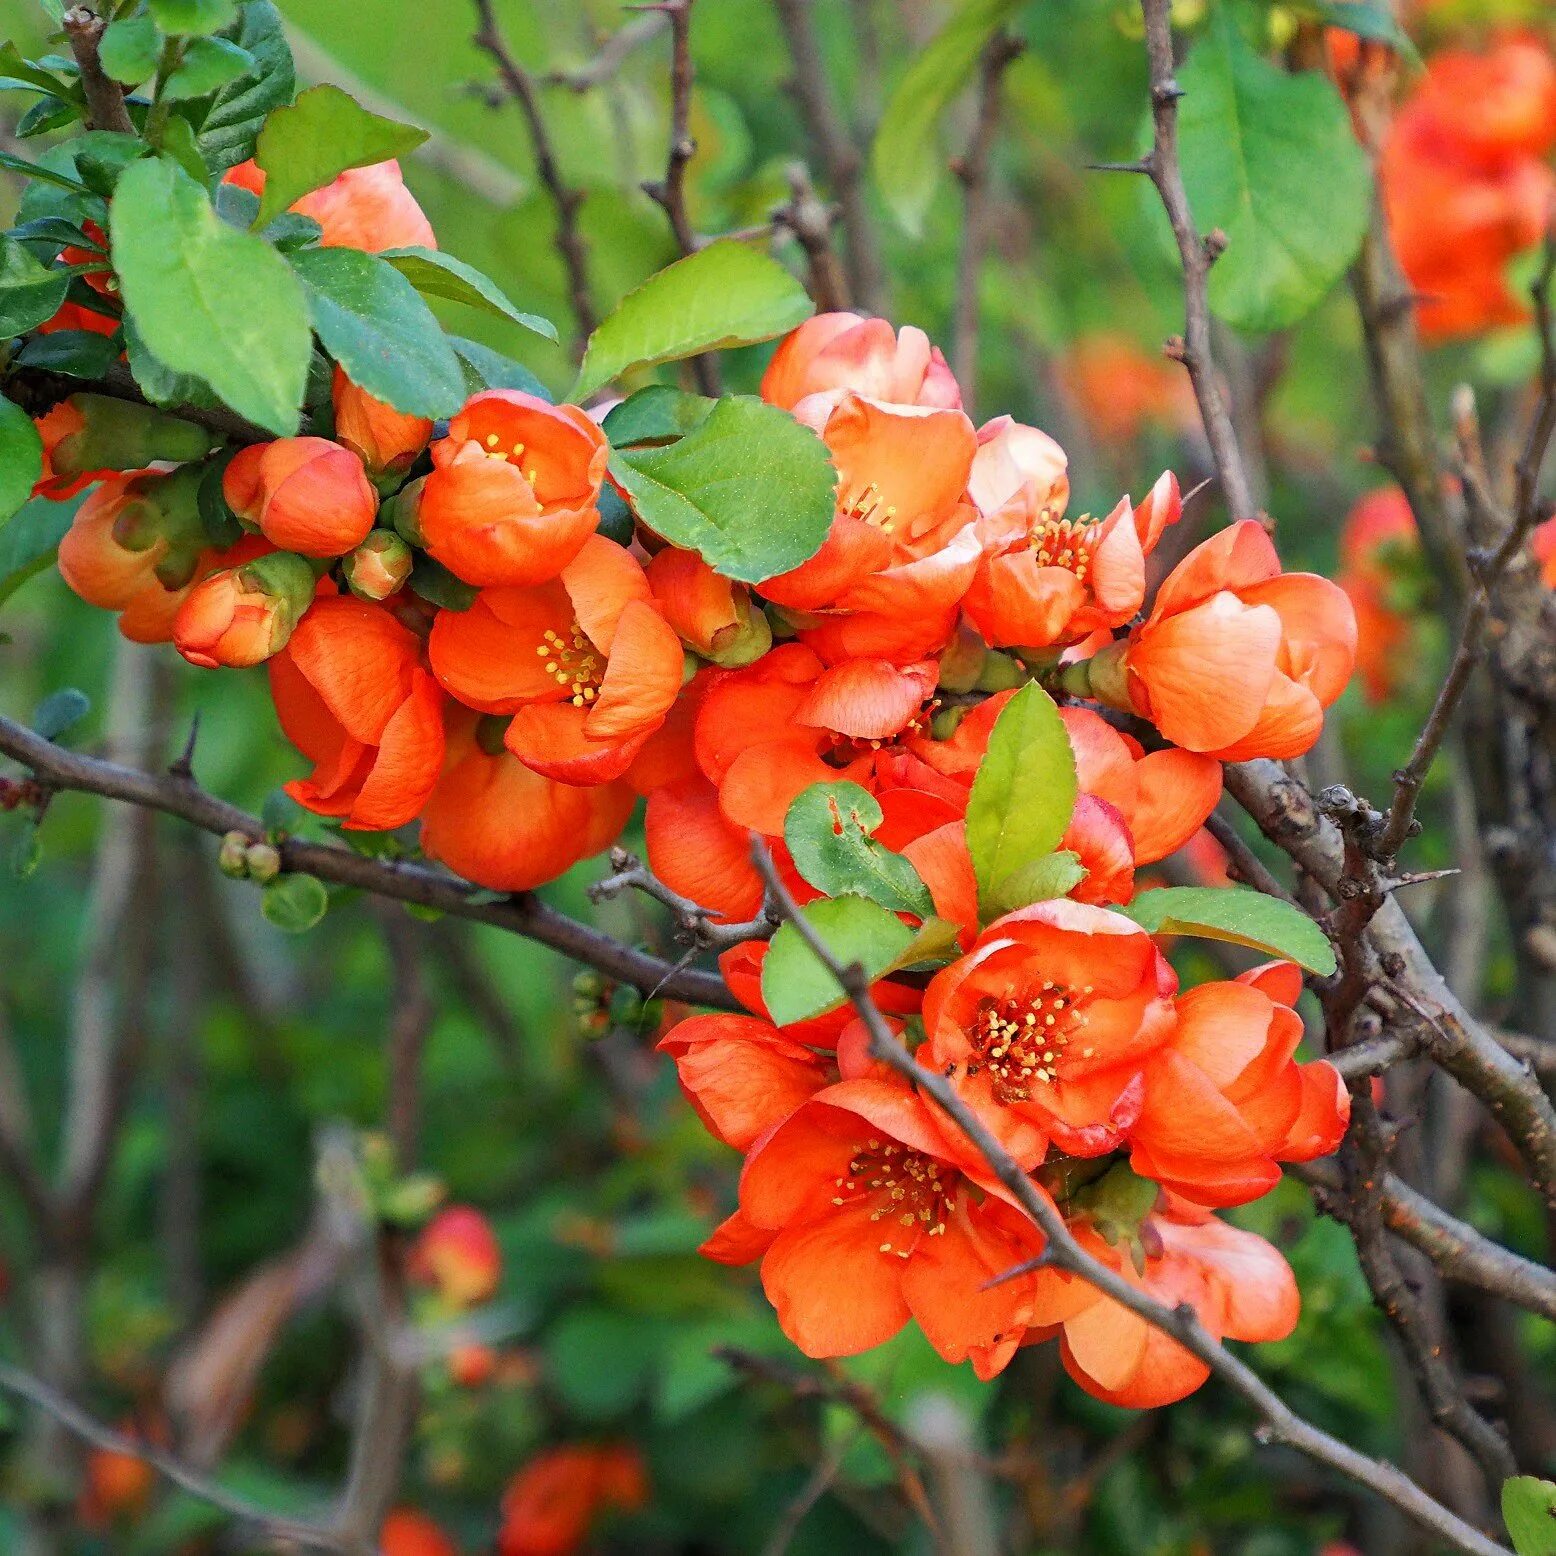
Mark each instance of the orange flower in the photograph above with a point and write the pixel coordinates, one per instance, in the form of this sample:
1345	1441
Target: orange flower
363	208
513	492
1543	543
713	615
303	494
1238	1285
457	1253
902	548
408	1533
387	441
1049	580
553	1502
1236	659
61	426
117	1487
697	851
585	663
1122	389
1226	1101
837	352
1378	532
243	614
353	696
1045	1027
496	822
741	1074
1020	477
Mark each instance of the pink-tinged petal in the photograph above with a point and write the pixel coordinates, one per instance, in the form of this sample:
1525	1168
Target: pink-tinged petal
867	699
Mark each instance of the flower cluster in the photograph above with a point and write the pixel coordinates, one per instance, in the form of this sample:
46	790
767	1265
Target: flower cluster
467	624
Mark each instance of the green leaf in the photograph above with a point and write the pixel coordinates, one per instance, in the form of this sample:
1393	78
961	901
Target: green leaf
27	853
78	353
1238	915
13	66
487	369
30	292
158	382
724	295
1052	875
208	64
374	323
750	489
326	131
1529	1511
208	300
130	49
904	158
1023	794
656	414
193	16
795	983
294	903
21	466
237	111
181	144
1271	160
1371	19
12	163
827	830
435	274
29	541
59	711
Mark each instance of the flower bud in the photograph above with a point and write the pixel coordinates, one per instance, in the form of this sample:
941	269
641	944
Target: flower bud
471	1366
303	494
712	615
233	858
387	441
263	861
243	615
379	566
962	663
108	434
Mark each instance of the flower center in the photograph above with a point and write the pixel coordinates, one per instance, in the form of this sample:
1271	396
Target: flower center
905	1188
844	750
867	507
573	663
1021	1042
1065	543
513	456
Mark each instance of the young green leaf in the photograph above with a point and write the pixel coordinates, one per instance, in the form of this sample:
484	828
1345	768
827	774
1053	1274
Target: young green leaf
1529	1511
21	462
435	274
29	541
210	301
60	711
237	111
1238	915
1023	794
294	903
657	414
30	292
750	489
193	16
727	294
25	169
827	831
207	65
130	49
374	323
1270	158
795	983
1052	875
304	146
904	158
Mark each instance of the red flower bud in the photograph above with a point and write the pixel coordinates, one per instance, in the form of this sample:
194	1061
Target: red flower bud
458	1254
303	494
384	439
243	615
379	566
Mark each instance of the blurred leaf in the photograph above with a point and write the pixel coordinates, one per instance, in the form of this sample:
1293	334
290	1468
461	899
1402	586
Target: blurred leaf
230	124
27	852
1238	915
210	301
130	49
12	163
321	135
1529	1511
727	294
435	274
30	291
193	16
12	65
373	322
1370	19
656	414
294	903
599	1361
59	711
76	353
750	489
1023	793
159	383
21	465
795	983
905	160
28	541
827	830
208	64
1271	160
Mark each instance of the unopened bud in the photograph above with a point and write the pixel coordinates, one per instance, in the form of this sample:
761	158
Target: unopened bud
402	512
387	441
232	859
244	615
999	673
962	662
1107	677
264	862
163	512
379	566
110	434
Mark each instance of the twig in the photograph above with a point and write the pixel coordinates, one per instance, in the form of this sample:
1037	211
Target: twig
270	1526
567	199
84	30
610	56
972	172
520	913
839	158
1279	1422
694	922
1197	255
411	1013
811	219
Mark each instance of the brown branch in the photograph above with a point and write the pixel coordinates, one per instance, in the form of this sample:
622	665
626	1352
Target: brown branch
1279	1423
567	200
411	1014
1197	254
610	56
520	913
972	172
811	220
837	155
694	923
84	30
